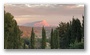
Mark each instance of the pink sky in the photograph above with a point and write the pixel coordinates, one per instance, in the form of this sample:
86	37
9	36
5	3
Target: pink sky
52	13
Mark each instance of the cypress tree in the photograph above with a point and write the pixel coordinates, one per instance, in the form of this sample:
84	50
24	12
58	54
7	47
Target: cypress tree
73	31
79	33
57	39
43	38
76	30
32	39
62	29
52	39
83	26
68	35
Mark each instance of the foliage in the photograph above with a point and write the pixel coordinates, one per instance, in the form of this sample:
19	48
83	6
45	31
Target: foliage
83	26
52	40
11	32
43	38
76	30
32	39
69	32
77	45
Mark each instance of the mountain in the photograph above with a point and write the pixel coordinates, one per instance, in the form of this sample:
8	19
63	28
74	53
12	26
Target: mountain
37	24
26	31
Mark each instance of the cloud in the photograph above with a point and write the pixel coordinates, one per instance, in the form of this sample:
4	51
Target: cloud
44	9
81	5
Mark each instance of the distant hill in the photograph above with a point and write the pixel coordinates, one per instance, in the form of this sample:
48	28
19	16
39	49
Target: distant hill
37	24
38	31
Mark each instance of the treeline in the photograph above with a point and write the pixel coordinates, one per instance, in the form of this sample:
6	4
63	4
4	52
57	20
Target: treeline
71	34
68	35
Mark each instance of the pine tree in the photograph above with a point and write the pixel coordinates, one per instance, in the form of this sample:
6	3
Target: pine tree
32	39
43	38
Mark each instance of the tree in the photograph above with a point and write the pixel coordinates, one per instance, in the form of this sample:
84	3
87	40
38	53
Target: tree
76	30
63	38
52	39
32	39
12	32
24	46
77	45
69	32
16	38
43	38
83	26
56	39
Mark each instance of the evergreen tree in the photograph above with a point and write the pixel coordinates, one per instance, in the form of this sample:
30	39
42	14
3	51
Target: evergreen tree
83	26
32	39
69	32
11	32
77	45
76	30
56	39
52	39
24	46
68	35
79	32
63	40
16	38
43	38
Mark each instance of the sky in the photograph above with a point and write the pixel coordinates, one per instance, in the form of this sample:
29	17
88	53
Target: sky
52	13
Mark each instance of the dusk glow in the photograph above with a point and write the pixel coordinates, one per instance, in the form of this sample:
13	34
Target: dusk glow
52	13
